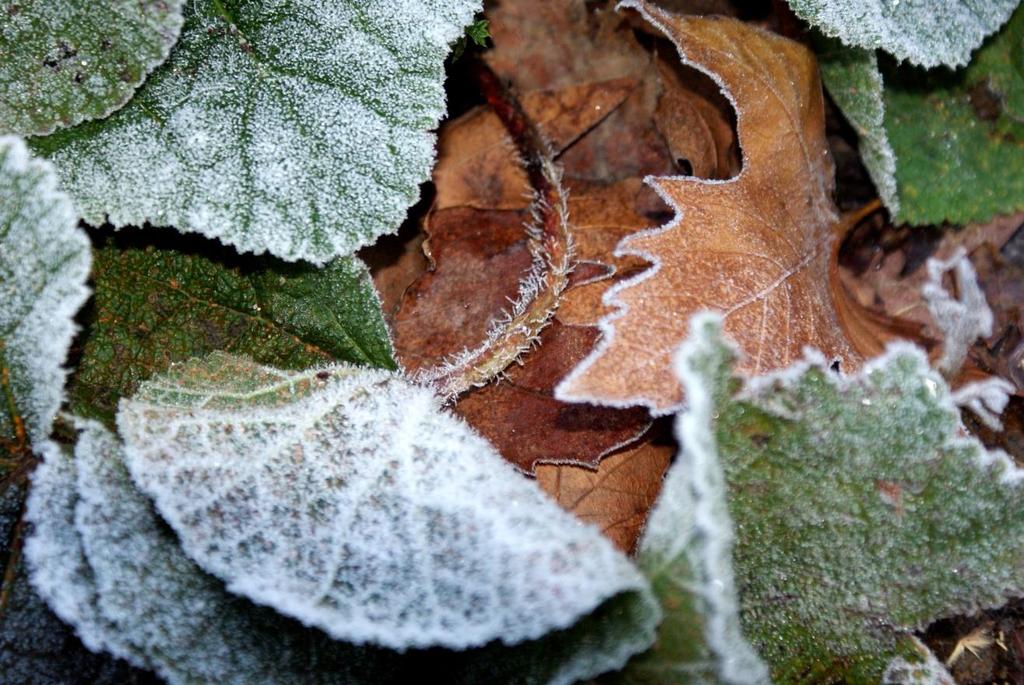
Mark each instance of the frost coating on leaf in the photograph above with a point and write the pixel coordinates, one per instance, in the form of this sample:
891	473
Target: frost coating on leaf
64	62
854	82
297	127
963	317
58	568
347	498
925	32
44	264
844	492
687	546
188	627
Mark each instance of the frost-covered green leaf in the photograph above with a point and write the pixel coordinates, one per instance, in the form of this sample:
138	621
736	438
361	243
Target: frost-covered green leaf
161	298
66	61
926	32
296	127
44	264
189	629
855	84
859	512
957	137
348	499
686	551
182	621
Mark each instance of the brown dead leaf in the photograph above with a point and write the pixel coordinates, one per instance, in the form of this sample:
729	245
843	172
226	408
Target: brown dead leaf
520	416
617	496
477	164
756	247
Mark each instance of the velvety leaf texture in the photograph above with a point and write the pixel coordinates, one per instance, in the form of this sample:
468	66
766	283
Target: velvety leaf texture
64	62
294	127
44	263
327	494
959	143
167	299
845	493
925	32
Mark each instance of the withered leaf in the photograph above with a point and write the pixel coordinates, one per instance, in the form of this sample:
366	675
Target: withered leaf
756	247
617	496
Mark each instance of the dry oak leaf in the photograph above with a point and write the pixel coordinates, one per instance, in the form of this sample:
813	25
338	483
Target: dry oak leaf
756	247
618	495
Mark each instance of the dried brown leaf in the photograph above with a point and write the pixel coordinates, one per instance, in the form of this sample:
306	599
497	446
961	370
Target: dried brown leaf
756	247
617	496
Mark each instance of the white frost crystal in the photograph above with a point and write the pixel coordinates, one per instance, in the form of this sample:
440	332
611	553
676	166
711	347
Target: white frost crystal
348	499
963	317
926	32
296	127
44	264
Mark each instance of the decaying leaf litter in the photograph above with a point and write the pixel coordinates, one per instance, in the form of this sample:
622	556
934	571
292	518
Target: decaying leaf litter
580	106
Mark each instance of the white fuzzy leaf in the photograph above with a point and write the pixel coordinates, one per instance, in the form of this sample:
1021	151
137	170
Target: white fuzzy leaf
189	628
64	62
56	559
925	32
104	559
44	263
296	127
347	498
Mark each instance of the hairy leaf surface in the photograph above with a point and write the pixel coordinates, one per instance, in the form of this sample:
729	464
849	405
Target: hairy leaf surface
64	62
844	493
44	264
299	128
956	137
346	498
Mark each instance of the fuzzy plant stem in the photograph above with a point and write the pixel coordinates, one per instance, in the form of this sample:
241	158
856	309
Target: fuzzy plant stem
550	243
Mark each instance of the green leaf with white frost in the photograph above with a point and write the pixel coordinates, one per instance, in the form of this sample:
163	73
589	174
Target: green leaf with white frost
64	62
361	477
44	264
686	551
141	589
956	136
855	84
162	298
925	32
844	494
299	128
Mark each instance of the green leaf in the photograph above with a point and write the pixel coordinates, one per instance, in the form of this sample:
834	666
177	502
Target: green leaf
957	137
361	477
64	62
299	128
855	84
190	630
44	263
860	513
161	298
925	32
